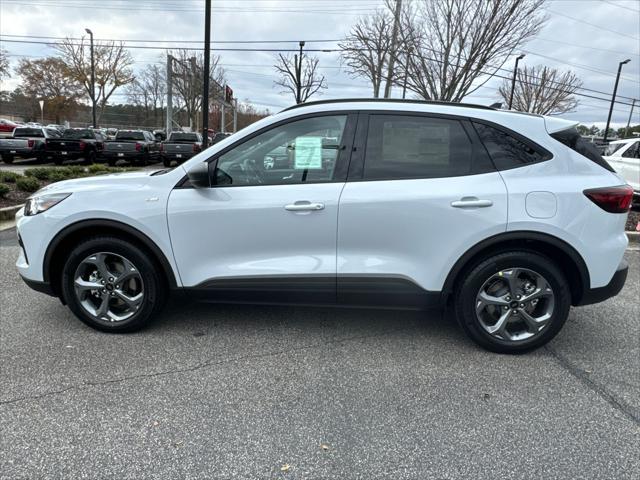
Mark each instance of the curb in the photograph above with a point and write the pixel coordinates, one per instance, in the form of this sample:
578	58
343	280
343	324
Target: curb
8	213
634	237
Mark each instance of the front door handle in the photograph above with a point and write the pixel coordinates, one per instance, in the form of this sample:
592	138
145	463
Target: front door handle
304	206
471	202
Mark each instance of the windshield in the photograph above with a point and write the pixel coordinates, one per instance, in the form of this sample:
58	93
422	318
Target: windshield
78	134
130	136
613	148
183	137
28	132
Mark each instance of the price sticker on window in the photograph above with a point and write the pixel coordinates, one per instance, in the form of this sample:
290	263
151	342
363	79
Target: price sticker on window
308	153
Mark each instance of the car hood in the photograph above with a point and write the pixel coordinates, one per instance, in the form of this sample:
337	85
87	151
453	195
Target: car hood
113	181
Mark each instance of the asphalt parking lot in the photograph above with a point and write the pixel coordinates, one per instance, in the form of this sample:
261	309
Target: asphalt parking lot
279	392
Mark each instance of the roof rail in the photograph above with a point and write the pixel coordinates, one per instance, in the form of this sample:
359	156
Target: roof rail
389	100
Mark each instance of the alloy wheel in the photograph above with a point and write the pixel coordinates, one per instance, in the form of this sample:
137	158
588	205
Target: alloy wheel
108	287
515	304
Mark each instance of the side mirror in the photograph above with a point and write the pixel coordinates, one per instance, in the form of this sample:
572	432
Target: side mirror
199	175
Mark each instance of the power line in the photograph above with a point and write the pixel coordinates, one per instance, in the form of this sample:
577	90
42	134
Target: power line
590	24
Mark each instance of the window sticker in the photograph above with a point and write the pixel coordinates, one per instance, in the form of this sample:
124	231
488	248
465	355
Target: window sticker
308	153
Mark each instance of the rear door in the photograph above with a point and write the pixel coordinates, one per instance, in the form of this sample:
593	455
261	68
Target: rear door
261	231
421	191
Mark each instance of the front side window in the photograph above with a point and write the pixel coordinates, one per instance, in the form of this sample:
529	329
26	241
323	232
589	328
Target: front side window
301	151
506	150
401	146
633	151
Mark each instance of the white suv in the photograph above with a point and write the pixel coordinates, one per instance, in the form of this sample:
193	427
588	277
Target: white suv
508	218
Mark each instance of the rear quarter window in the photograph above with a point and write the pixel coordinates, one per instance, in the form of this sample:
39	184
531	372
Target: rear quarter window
572	139
508	151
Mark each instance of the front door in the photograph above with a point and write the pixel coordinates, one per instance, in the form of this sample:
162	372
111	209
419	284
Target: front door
266	229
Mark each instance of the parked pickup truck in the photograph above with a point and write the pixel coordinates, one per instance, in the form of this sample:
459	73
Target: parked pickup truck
134	146
180	146
624	157
26	142
76	143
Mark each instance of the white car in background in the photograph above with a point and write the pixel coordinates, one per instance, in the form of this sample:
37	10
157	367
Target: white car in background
624	157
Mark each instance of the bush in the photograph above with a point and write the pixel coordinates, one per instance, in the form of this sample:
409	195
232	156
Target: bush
98	168
8	177
4	189
59	175
27	184
41	173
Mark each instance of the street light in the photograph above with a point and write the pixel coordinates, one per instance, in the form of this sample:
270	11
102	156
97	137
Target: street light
93	80
513	80
299	73
613	98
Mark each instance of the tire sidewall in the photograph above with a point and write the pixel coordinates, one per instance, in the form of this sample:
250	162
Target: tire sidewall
469	288
153	287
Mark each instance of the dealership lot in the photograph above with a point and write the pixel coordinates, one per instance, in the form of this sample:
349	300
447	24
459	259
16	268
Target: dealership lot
235	391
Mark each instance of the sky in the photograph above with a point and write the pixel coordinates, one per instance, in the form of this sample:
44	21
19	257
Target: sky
588	37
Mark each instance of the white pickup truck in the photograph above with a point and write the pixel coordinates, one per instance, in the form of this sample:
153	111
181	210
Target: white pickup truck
624	157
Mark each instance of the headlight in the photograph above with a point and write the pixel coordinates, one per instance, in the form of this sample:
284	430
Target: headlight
42	202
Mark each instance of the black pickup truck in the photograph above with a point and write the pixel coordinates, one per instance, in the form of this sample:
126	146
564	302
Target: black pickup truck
134	146
26	142
180	146
76	143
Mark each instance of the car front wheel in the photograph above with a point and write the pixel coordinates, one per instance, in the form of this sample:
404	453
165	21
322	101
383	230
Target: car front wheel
513	302
112	285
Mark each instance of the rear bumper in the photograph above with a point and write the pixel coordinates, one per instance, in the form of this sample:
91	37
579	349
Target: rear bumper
20	152
174	156
122	155
66	156
600	294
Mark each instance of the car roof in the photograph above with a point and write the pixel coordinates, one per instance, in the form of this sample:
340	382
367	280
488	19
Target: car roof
625	140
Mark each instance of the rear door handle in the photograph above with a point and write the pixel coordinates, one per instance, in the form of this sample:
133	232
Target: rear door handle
471	202
304	206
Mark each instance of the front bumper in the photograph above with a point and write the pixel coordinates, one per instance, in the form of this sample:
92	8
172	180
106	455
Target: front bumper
600	294
42	287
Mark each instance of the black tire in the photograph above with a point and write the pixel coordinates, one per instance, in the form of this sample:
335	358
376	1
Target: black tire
112	162
58	160
155	287
166	162
473	279
90	158
8	159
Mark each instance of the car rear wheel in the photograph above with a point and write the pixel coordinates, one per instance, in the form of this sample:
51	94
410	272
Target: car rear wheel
166	162
58	161
7	159
112	162
513	302
90	159
112	285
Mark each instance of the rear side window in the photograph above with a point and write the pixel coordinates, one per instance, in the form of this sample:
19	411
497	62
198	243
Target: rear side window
401	146
506	150
633	151
572	139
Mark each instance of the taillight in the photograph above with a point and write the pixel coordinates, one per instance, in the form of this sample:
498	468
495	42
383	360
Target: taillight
611	199
162	147
82	145
138	147
196	147
30	143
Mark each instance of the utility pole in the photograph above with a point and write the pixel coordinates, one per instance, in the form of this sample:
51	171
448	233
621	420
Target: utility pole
298	63
613	98
406	72
207	54
626	130
513	80
235	115
93	80
169	94
392	52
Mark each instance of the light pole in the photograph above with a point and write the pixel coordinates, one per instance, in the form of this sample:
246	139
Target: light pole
513	80
299	75
613	98
93	80
205	93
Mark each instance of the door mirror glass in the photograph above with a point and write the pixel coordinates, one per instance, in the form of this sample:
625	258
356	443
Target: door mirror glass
199	175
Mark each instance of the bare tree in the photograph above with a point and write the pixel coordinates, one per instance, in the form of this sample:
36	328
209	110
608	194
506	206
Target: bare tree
112	67
366	49
4	64
299	76
188	84
46	79
542	90
148	91
457	45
